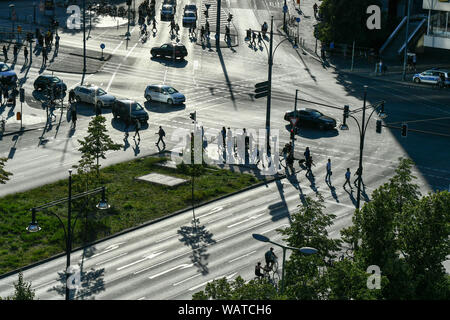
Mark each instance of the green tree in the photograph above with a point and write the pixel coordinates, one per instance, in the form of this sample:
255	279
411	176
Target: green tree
4	175
23	290
96	144
304	274
344	21
237	289
424	241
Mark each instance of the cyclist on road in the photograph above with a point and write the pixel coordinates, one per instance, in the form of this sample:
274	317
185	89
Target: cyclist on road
270	258
258	270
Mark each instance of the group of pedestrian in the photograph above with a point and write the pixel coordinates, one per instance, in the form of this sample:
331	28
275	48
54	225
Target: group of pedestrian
205	32
174	27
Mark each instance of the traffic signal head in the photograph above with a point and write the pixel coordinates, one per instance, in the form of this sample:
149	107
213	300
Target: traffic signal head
128	2
378	126
346	111
404	130
22	94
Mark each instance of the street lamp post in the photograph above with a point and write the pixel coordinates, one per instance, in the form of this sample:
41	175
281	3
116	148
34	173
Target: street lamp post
34	227
405	57
271	53
304	250
84	37
284	16
362	133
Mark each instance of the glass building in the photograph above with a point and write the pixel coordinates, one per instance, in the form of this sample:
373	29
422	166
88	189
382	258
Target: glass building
438	29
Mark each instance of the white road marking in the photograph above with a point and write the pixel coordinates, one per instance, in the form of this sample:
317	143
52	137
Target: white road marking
141	260
175	284
181	267
108	249
216	209
118	67
115	257
166	238
162	262
202	284
44	284
251	218
245	255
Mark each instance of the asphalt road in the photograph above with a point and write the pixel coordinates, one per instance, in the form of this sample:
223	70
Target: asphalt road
151	263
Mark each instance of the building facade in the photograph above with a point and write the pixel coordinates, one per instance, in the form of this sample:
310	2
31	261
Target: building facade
438	29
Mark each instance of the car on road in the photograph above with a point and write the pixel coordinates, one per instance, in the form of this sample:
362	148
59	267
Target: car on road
432	76
189	18
94	95
173	50
7	75
167	12
190	7
128	110
310	117
163	93
48	82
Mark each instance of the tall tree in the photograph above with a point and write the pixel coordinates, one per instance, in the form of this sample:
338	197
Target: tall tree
4	175
96	143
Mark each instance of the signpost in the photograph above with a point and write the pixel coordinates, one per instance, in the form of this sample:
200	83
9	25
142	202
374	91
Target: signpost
102	46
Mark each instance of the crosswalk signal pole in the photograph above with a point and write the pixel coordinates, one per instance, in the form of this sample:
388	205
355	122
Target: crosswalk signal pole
219	4
269	88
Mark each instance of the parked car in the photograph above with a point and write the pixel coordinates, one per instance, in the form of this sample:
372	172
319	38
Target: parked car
7	75
190	7
432	76
189	18
167	12
48	82
311	117
172	2
173	50
128	111
164	93
94	95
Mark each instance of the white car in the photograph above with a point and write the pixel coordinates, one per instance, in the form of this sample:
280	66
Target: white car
163	93
94	95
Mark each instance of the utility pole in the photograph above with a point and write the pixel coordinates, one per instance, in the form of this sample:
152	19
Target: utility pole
406	42
295	114
269	95
219	5
361	147
284	16
84	36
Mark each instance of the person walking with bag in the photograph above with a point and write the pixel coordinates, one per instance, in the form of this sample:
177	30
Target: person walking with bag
329	173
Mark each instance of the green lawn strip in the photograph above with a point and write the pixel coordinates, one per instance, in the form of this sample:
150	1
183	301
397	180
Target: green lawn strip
133	202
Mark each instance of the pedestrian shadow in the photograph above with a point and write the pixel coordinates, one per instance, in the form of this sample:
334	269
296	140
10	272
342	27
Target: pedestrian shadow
352	198
312	179
198	239
333	192
136	148
224	68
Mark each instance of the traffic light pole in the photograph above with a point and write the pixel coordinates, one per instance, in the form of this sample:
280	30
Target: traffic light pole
361	148
84	37
293	126
269	87
219	4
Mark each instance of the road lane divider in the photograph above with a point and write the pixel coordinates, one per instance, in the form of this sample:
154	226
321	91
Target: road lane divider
181	267
141	260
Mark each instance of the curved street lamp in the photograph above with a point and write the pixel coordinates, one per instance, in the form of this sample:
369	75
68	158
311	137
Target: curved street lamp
362	132
304	250
68	234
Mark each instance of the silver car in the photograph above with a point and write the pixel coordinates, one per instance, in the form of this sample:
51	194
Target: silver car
94	95
163	93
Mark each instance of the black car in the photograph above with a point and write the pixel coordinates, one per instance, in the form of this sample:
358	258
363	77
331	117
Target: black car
128	111
47	83
311	117
173	50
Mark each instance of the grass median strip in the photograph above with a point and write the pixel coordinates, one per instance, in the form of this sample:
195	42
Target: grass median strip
132	203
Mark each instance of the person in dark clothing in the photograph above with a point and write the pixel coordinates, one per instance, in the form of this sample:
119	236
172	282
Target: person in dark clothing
202	33
25	54
347	179
71	96
5	53
137	127
307	154
254	38
309	163
44	56
14	94
224	135
15	51
161	133
73	113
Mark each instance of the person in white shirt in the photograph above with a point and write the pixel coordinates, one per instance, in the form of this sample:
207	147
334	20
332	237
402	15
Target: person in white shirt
329	173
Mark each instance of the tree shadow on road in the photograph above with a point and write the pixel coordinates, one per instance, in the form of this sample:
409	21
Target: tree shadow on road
197	238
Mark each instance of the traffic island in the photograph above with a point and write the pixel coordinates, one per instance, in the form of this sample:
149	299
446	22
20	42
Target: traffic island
134	203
